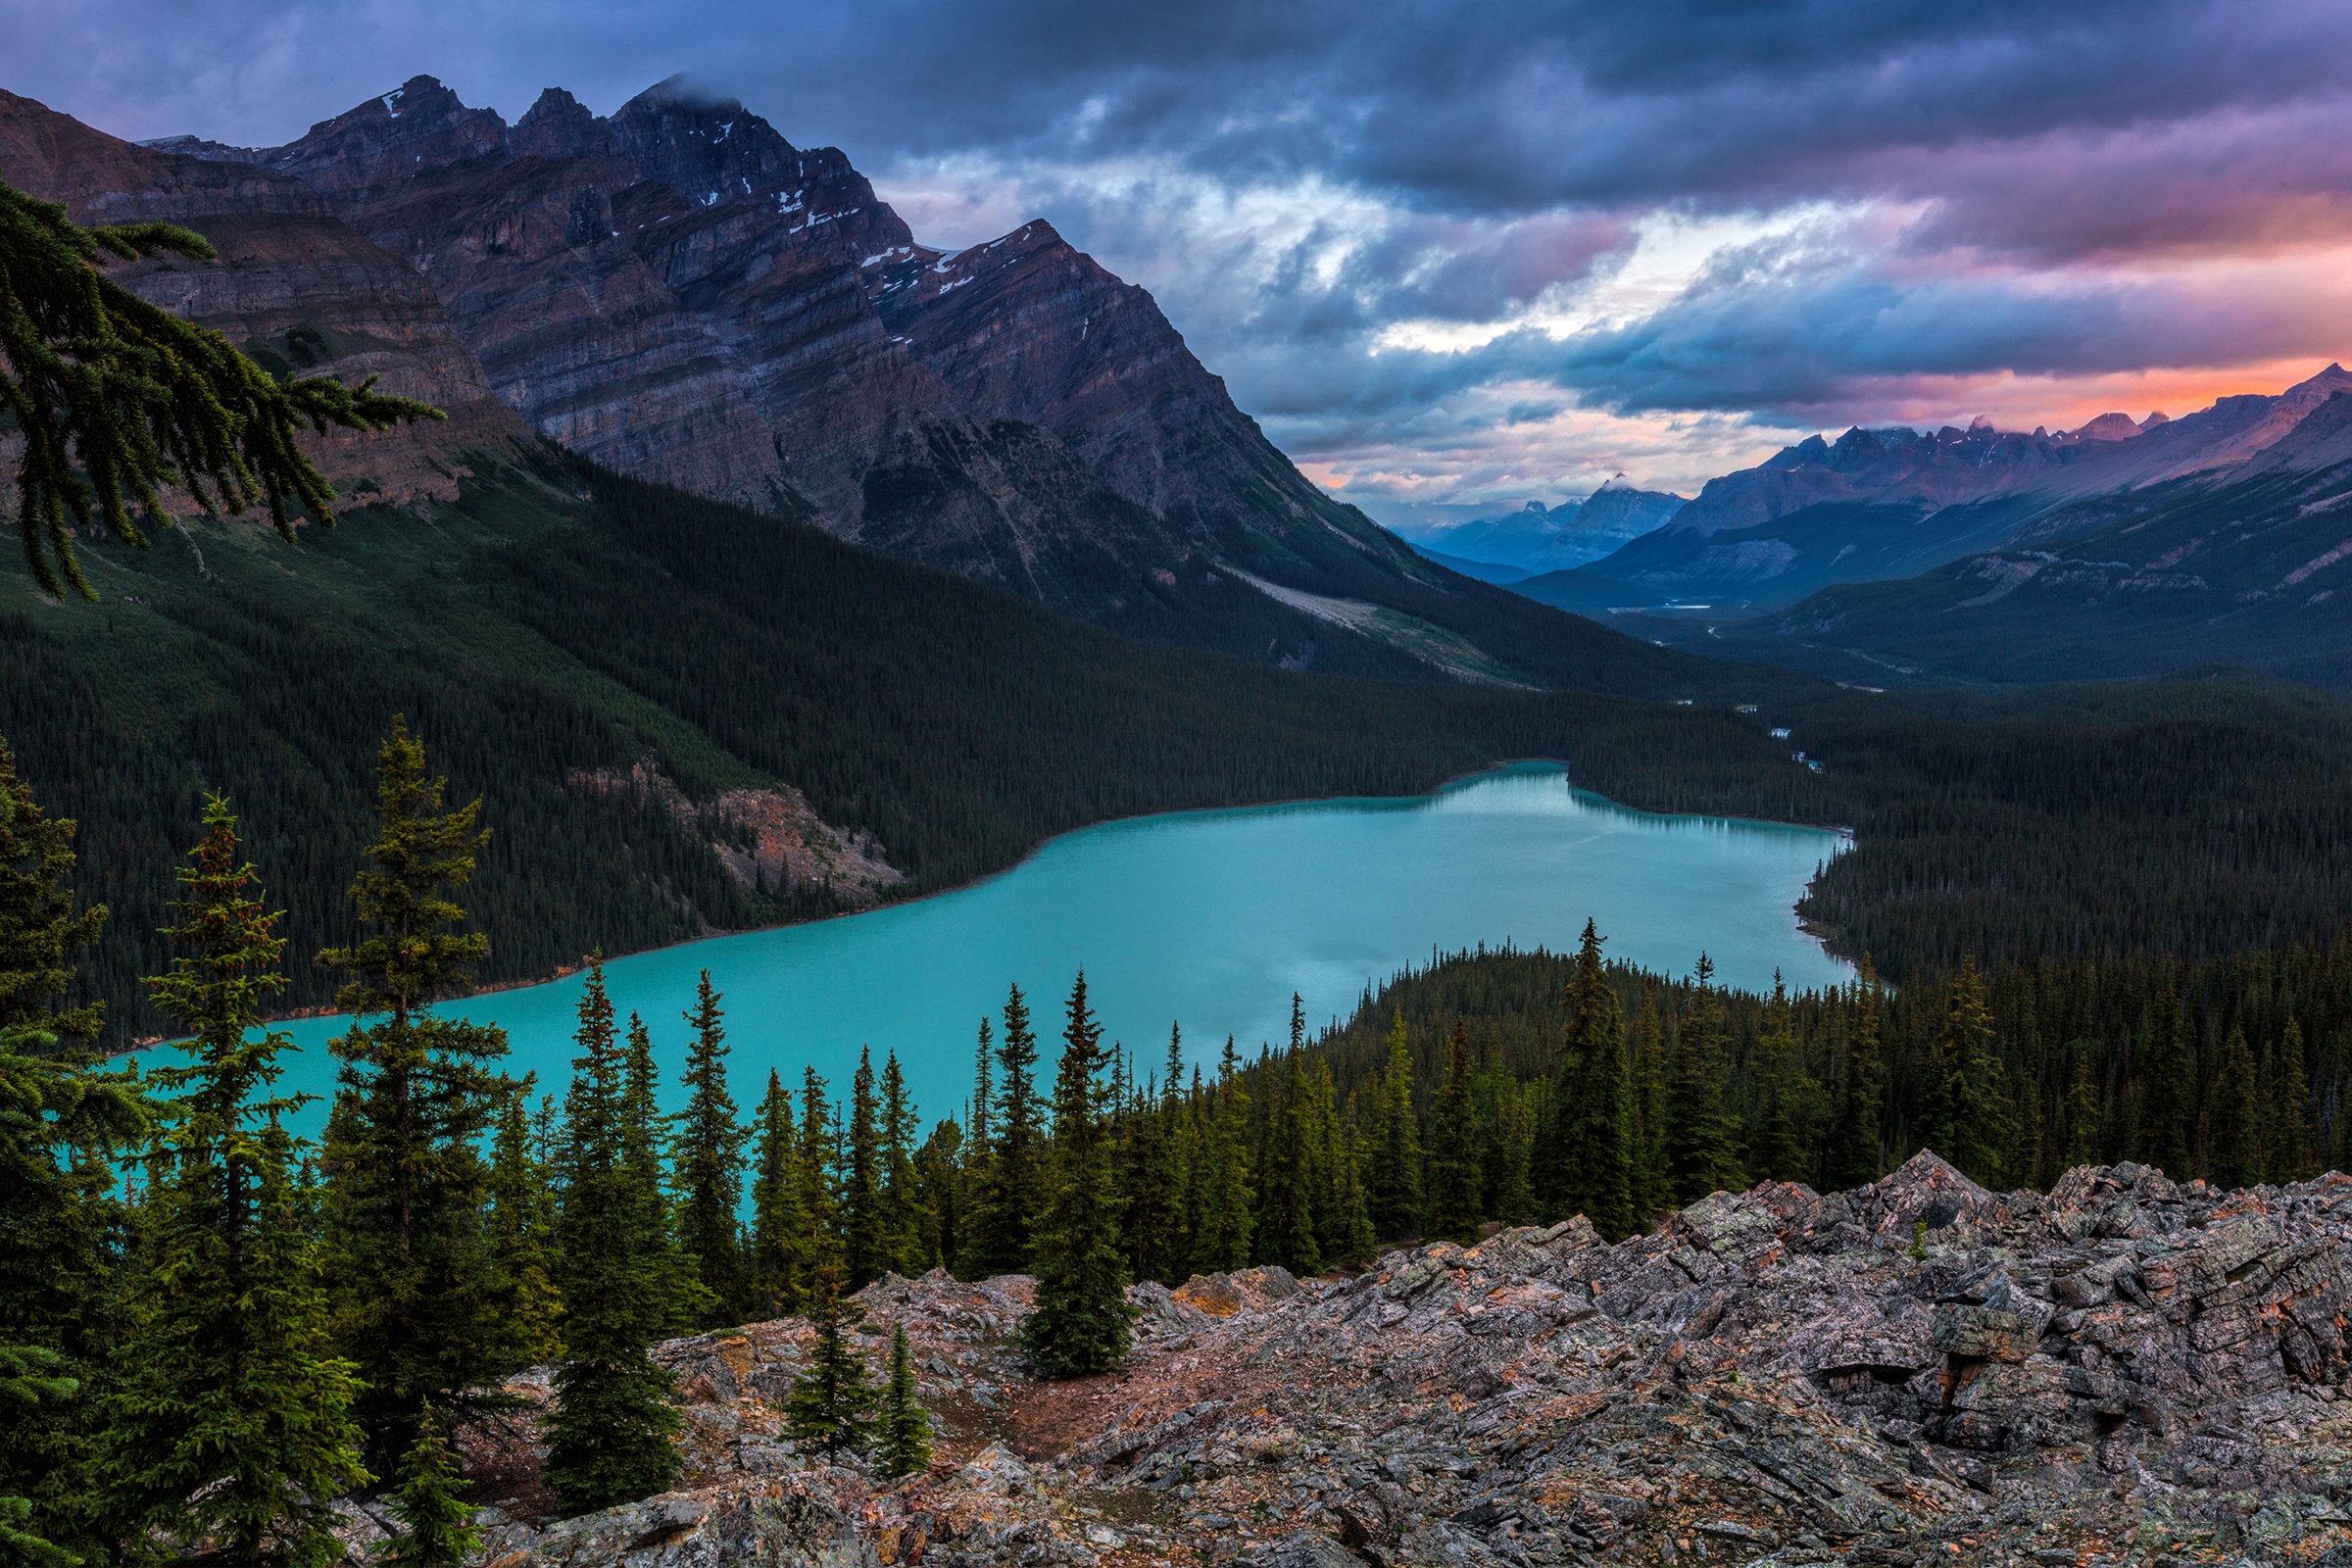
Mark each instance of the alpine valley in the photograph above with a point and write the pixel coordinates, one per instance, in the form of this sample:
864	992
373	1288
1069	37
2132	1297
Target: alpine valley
685	548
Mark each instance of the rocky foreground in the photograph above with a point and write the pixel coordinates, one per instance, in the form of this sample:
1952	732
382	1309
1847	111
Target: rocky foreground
2126	1370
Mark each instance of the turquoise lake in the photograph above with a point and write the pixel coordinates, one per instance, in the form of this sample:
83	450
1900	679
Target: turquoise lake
1208	920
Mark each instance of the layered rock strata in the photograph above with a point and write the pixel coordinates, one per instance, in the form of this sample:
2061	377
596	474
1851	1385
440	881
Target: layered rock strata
294	286
2126	1370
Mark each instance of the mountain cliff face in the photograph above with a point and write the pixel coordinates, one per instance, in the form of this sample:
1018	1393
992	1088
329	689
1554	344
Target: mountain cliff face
680	293
295	287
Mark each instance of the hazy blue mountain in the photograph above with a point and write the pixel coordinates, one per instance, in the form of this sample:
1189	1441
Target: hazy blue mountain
2250	564
1880	503
1540	539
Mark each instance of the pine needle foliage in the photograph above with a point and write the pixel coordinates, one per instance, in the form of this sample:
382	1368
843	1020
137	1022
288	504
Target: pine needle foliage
830	1408
118	399
231	1422
436	1521
29	1383
610	1436
1453	1175
1081	1322
779	1265
65	1119
39	928
420	1302
902	1446
1010	1190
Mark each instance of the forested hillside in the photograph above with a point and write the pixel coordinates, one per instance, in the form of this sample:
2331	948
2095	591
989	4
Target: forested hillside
636	680
2233	1069
554	630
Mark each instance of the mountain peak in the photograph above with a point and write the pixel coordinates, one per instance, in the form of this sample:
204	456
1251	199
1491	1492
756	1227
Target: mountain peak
679	91
710	147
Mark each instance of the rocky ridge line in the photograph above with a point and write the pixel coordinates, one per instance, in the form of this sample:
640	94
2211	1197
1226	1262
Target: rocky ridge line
2127	1370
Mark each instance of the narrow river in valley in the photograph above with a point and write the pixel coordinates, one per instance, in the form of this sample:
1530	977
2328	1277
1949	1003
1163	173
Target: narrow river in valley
1204	919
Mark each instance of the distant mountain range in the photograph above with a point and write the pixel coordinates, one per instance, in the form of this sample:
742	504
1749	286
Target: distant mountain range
679	293
2249	564
1537	539
1892	503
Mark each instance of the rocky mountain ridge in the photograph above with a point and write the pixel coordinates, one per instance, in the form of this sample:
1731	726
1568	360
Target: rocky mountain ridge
2123	1371
1879	504
677	291
2255	570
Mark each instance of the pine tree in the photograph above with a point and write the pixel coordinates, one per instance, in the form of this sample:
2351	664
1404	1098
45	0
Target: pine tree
1081	1320
2237	1116
1855	1157
1010	1190
1702	1141
1781	1154
1970	1123
685	1305
904	1446
708	1157
830	1408
232	1421
1592	1119
815	1176
1286	1216
31	1387
1358	1245
609	1440
39	929
779	1261
1149	1200
523	1227
1651	1181
65	1119
905	1247
983	1089
115	399
418	1303
2289	1146
1453	1168
938	1191
865	1240
1394	1191
436	1521
2082	1112
1513	1191
2170	1127
1226	1210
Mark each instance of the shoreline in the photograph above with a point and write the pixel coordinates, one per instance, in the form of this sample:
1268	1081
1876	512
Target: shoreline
1454	781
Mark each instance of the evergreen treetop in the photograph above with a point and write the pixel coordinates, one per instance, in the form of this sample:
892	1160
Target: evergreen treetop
1081	1321
422	854
231	1420
39	930
904	1446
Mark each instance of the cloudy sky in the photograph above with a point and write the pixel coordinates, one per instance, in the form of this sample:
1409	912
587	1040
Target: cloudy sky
1459	256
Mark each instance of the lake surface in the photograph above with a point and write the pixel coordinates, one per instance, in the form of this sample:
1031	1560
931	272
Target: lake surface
1210	919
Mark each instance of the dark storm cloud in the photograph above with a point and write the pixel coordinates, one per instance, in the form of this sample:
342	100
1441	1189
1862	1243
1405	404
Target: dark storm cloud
1998	187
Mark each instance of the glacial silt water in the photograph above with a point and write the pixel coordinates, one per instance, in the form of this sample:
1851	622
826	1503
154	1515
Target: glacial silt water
1207	920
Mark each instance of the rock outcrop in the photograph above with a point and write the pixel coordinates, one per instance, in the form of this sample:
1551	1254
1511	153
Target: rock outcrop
1921	1371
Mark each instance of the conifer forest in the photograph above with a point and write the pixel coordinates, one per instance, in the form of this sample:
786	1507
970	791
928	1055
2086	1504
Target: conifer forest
216	1328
